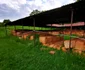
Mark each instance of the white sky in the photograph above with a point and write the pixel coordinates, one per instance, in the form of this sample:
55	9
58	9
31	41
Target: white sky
16	9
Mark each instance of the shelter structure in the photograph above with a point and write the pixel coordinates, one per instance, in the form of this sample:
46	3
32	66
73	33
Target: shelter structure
70	13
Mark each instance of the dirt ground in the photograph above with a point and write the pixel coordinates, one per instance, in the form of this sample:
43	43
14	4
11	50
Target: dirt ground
49	39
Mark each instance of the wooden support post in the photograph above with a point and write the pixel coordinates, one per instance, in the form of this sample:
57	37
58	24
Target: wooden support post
34	24
63	35
28	28
40	29
84	30
22	27
71	28
14	27
51	28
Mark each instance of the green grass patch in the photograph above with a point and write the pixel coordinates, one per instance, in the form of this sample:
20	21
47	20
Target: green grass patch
16	54
67	37
30	28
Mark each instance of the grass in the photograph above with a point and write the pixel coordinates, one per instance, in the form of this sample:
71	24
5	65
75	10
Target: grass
67	37
30	28
16	54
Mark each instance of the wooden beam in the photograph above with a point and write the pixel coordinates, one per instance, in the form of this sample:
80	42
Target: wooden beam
63	34
34	24
84	30
14	27
51	28
71	28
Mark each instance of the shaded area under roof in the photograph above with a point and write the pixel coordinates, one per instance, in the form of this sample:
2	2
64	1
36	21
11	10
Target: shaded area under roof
58	15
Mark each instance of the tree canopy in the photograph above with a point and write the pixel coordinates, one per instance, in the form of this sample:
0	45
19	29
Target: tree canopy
79	0
5	21
34	12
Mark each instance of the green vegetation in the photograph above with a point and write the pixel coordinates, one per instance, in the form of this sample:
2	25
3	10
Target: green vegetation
5	21
67	37
79	0
30	28
34	12
16	54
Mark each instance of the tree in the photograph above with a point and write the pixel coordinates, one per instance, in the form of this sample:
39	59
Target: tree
34	12
6	21
1	24
79	0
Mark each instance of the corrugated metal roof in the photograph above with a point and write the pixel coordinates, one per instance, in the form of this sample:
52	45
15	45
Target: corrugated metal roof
58	15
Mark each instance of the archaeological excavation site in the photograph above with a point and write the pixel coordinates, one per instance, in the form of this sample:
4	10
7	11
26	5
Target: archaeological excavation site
62	28
50	40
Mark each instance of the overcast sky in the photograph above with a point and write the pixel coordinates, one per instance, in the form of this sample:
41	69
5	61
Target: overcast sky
16	9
